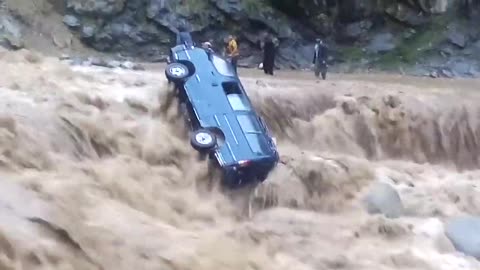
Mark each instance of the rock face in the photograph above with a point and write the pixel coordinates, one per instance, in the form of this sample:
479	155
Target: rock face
146	28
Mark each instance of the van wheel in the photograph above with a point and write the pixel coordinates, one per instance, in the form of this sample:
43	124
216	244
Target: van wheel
203	140
176	72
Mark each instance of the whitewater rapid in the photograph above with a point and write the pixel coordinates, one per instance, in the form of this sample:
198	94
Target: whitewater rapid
94	176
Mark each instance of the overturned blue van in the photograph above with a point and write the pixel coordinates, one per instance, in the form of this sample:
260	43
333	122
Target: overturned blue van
223	123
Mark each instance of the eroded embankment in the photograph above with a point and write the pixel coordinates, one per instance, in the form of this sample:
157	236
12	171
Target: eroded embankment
95	177
375	120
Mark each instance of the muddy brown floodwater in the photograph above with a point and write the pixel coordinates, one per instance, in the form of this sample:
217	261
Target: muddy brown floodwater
94	177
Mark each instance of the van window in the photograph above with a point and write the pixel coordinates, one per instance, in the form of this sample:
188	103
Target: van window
231	88
235	97
222	66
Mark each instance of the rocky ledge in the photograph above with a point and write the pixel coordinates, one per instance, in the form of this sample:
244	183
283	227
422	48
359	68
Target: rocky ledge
421	37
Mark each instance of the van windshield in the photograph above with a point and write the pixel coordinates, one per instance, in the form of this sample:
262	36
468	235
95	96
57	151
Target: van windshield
222	66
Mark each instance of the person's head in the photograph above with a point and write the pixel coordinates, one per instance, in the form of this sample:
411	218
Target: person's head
319	40
207	45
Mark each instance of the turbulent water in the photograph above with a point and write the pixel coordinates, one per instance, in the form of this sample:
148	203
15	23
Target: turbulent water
95	176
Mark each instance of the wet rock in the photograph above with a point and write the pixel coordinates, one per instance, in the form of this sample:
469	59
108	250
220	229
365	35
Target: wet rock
446	51
476	45
447	73
64	57
10	32
405	14
357	29
457	38
96	7
433	74
76	61
434	6
392	101
260	83
131	65
88	31
461	68
384	199
71	21
348	104
383	42
114	64
98	62
464	232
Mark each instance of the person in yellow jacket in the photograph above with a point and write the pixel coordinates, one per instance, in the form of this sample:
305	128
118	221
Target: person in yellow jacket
232	51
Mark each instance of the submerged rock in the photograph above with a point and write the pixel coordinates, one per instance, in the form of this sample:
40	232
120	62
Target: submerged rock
384	199
464	232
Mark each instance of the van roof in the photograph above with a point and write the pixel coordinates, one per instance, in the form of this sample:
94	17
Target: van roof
219	100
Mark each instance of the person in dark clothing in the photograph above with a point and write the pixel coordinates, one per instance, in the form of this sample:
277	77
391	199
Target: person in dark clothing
184	37
269	55
320	57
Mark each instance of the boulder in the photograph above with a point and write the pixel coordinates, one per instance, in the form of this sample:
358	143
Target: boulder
384	199
457	38
406	14
464	232
382	42
10	32
71	21
357	29
434	6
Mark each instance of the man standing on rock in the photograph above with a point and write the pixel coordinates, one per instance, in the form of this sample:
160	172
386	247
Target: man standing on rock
268	54
232	51
320	59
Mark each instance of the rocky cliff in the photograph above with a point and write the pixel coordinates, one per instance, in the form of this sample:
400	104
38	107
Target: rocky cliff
434	37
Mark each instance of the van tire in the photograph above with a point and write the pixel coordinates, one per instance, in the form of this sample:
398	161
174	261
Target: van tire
176	72
203	140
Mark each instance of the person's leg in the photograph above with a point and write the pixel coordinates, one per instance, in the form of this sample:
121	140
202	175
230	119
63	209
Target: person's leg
234	63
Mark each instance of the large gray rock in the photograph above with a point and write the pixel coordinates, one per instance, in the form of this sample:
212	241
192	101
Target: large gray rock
96	7
10	32
457	38
464	232
384	199
406	14
434	6
382	42
71	21
357	29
